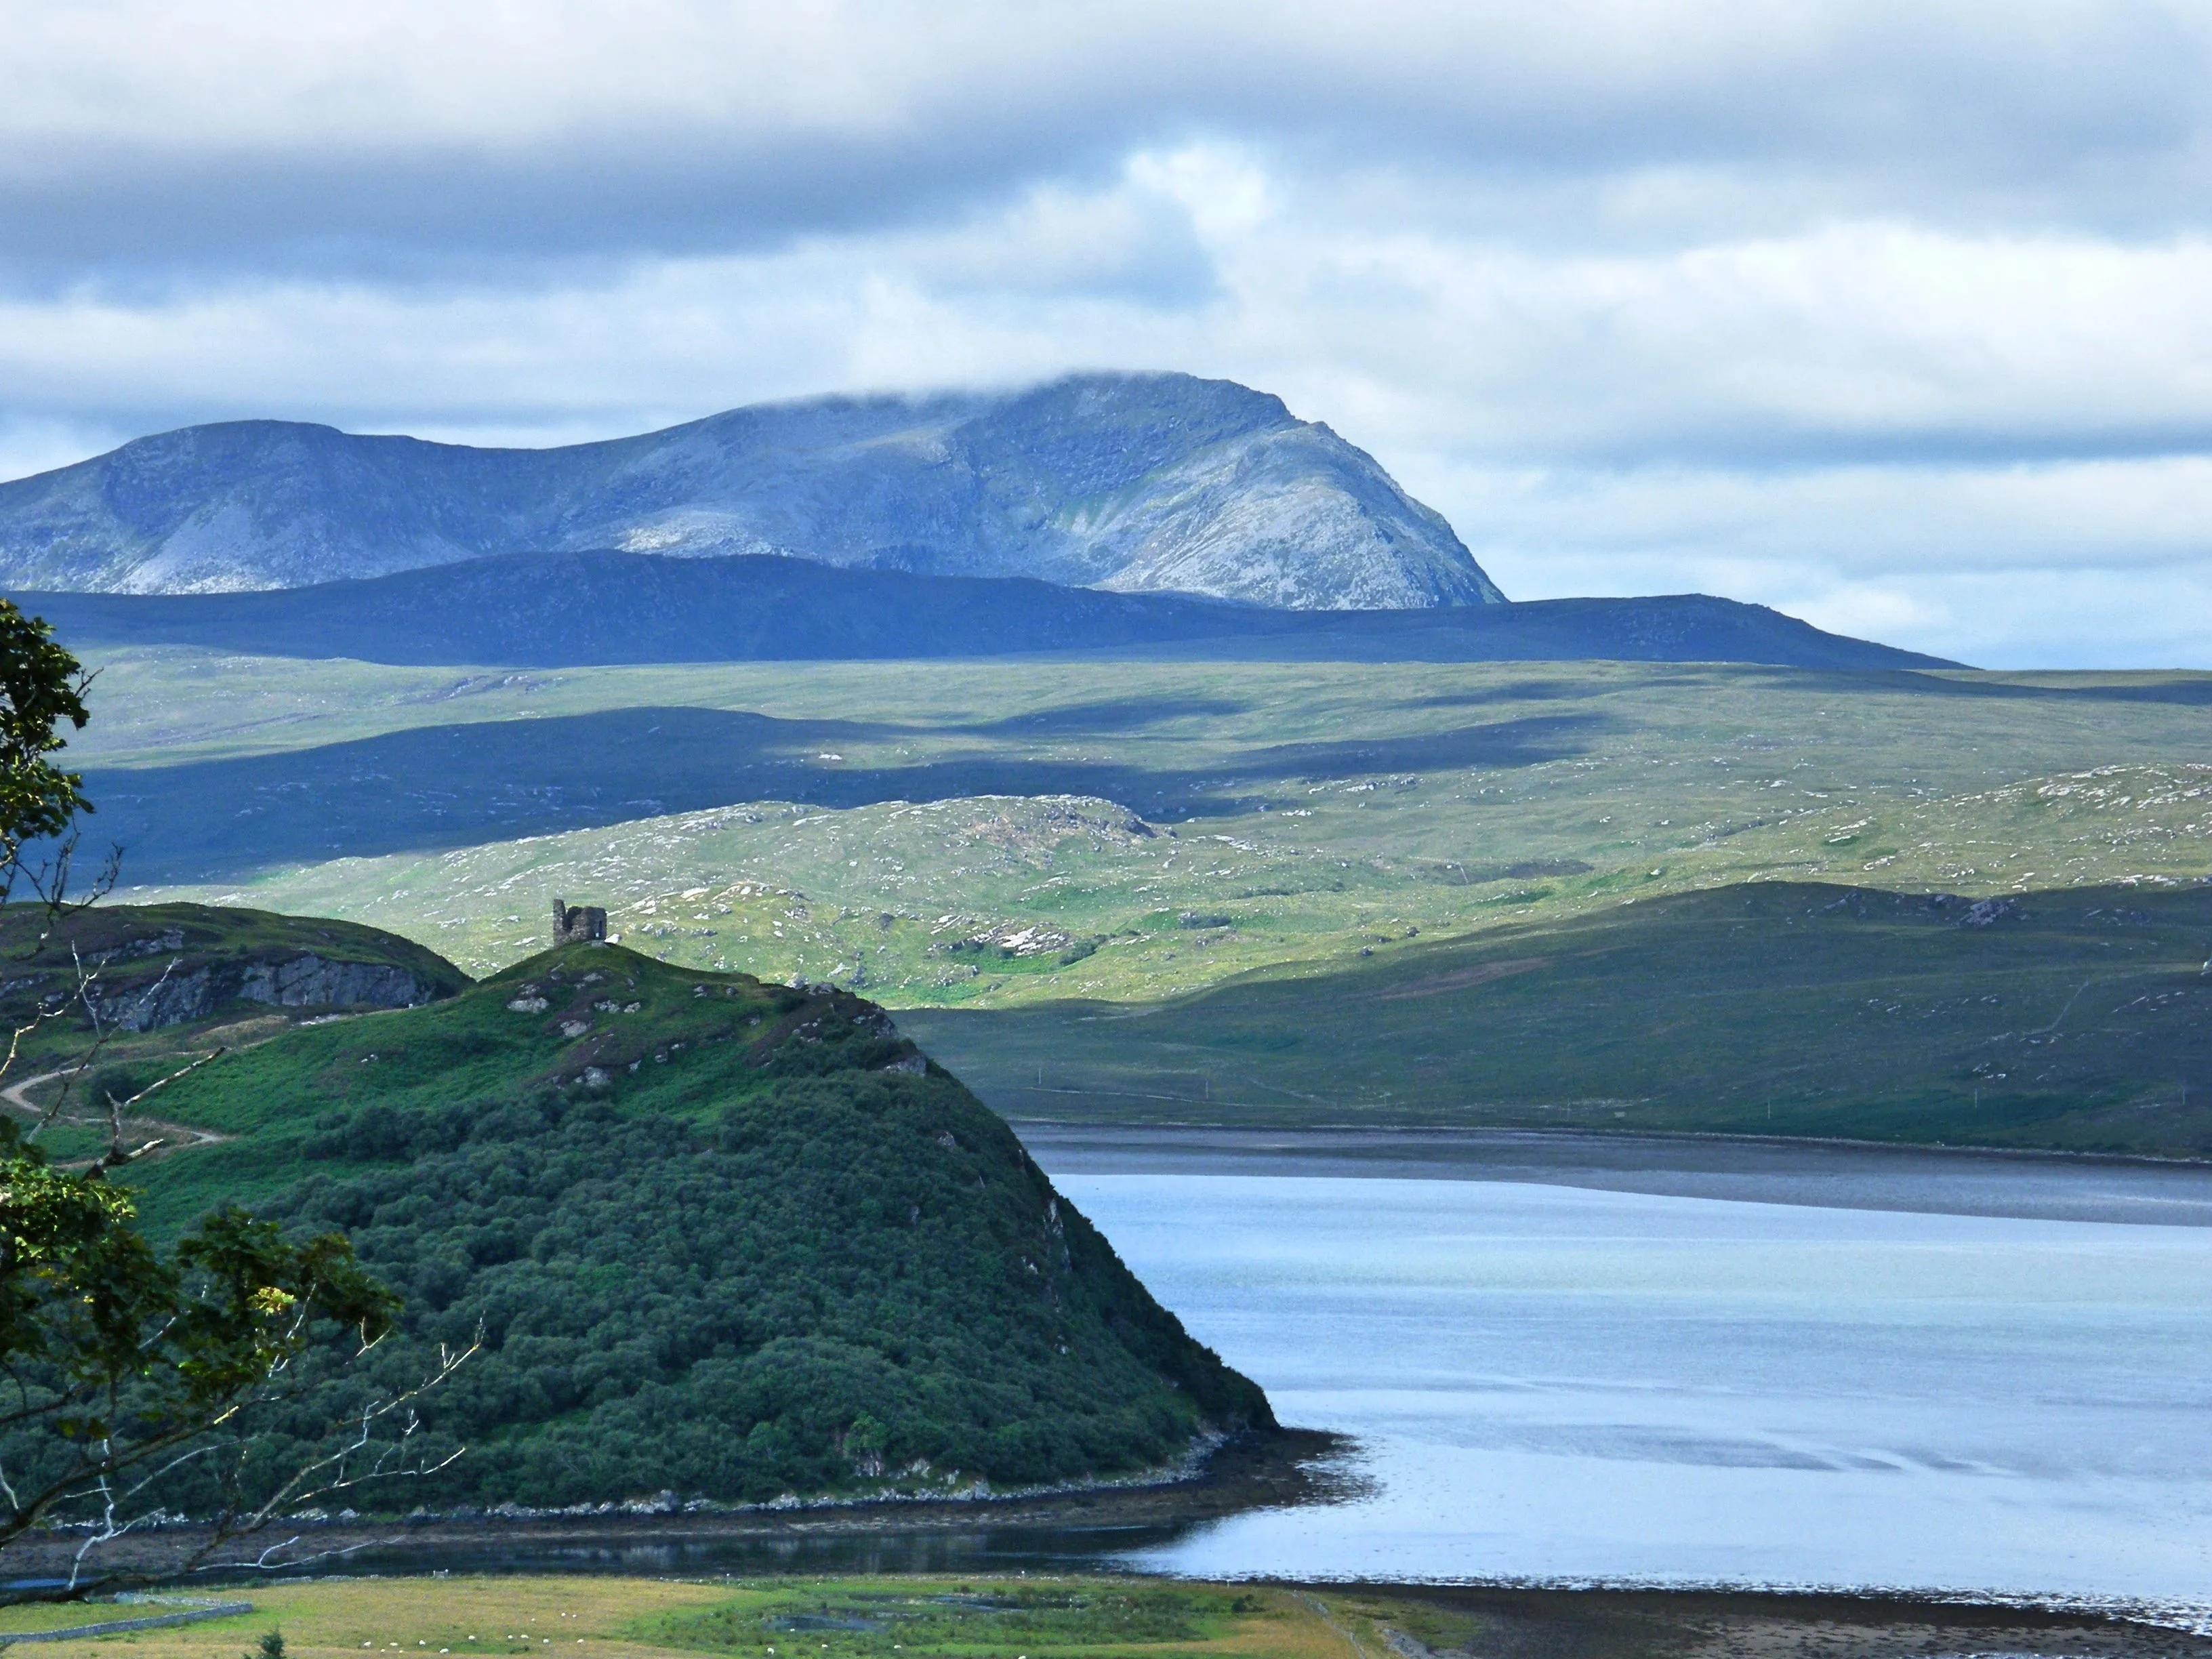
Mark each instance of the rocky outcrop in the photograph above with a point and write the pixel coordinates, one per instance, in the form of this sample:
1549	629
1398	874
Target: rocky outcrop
1139	483
175	999
186	996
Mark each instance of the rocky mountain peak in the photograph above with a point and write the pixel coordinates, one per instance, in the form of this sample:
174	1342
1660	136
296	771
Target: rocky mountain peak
1137	482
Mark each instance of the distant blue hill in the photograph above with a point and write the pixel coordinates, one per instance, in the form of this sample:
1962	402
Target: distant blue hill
1133	483
567	609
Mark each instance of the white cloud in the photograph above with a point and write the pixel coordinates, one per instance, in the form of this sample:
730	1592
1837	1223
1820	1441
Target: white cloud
1889	314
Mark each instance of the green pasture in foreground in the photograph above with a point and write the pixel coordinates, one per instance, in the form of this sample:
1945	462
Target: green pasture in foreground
862	1619
614	1617
1024	1618
996	835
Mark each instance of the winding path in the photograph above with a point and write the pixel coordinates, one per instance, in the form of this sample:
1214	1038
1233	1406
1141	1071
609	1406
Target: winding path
158	1137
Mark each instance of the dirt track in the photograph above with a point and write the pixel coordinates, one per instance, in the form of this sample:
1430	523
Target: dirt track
157	1136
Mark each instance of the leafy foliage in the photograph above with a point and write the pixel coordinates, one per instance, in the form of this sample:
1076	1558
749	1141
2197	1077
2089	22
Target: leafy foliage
41	690
119	1366
115	1358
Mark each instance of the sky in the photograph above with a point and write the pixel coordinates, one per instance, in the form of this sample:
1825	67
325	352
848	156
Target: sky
1896	317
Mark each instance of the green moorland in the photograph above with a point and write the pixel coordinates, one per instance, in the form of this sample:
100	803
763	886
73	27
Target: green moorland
1028	1617
196	961
945	833
2078	1019
1035	839
170	983
722	1239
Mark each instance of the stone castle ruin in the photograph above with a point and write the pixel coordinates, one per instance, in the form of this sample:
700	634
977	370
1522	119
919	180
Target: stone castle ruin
581	924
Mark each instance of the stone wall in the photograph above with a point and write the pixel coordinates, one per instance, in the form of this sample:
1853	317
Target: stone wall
579	924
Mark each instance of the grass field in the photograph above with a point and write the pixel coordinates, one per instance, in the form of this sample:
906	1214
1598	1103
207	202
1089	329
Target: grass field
1037	840
654	1619
995	834
2078	1019
1098	1618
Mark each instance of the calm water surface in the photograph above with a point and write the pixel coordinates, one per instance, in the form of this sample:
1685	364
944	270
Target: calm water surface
1621	1360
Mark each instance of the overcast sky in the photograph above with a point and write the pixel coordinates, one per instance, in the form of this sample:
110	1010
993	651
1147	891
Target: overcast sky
1896	317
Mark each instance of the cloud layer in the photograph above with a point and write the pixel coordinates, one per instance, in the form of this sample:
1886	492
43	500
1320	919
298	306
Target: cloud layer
1888	315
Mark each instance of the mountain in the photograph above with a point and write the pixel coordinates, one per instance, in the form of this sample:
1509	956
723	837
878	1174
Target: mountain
1134	482
723	1239
575	608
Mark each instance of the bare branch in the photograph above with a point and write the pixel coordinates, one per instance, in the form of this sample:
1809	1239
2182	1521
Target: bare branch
363	1457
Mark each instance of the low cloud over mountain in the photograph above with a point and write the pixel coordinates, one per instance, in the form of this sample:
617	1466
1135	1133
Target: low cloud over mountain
1137	482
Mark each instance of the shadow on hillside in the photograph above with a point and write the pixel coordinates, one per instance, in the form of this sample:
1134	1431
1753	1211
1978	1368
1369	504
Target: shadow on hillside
443	786
1108	715
2187	691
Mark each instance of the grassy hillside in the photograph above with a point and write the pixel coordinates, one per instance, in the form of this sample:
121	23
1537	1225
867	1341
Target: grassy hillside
723	1238
998	835
130	948
2078	1018
168	983
1152	828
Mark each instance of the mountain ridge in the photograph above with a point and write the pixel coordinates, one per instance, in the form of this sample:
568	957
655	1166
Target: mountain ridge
1134	482
567	609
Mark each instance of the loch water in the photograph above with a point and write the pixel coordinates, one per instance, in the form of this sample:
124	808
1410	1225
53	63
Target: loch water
1571	1360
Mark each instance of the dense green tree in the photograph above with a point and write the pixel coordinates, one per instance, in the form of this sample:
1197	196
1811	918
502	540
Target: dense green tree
42	690
119	1362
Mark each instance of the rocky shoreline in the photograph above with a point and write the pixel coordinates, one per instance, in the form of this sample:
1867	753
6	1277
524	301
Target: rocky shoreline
1278	1468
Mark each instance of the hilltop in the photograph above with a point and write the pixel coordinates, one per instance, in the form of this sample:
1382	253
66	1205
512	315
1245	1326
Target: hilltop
168	983
724	1239
575	609
155	966
1136	482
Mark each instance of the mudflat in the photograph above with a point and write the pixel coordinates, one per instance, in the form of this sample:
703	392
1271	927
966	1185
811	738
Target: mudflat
1503	1623
1826	1175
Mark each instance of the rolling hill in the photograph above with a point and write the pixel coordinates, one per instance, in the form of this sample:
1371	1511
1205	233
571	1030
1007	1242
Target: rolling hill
155	966
723	1239
574	610
1129	482
140	989
2079	1020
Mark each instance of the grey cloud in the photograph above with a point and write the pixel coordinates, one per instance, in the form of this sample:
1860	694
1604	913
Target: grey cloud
561	213
1883	313
2054	113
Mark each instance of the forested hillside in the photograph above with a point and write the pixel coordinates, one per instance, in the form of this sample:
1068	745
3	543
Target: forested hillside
721	1239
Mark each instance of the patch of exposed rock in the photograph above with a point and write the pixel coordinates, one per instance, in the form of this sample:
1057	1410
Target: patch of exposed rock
186	996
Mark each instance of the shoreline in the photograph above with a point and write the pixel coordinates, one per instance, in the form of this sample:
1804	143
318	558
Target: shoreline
2016	1184
1471	1132
1276	1468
